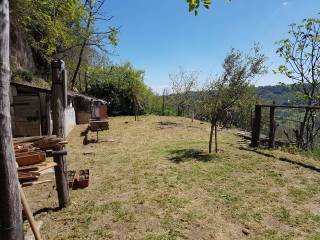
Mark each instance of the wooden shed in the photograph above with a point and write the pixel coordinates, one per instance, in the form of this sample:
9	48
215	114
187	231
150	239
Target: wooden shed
31	111
87	107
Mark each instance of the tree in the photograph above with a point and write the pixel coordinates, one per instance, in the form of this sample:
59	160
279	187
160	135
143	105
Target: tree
65	30
91	37
223	94
123	87
301	54
11	227
182	84
195	4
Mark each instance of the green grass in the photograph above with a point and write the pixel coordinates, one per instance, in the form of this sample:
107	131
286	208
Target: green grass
157	181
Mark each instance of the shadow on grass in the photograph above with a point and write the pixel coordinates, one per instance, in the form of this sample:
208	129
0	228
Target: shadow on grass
46	210
168	123
184	155
294	162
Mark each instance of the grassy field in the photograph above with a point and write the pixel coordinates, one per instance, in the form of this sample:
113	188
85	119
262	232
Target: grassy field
155	180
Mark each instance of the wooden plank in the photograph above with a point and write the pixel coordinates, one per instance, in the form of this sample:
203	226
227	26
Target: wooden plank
37	168
27	139
31	159
28	153
23	176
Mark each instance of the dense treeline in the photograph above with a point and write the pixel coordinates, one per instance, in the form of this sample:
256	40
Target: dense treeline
124	89
63	29
68	30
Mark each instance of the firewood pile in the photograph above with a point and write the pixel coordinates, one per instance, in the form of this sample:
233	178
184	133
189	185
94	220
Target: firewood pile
32	156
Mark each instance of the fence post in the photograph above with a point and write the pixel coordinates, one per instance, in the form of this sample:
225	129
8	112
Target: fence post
271	127
59	103
256	127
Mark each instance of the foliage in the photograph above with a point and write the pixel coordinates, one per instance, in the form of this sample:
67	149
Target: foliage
58	28
301	55
50	25
281	94
124	89
195	4
183	84
223	94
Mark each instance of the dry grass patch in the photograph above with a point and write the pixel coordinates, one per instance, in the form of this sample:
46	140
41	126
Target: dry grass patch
156	181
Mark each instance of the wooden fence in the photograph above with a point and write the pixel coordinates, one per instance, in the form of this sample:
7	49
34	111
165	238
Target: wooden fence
277	124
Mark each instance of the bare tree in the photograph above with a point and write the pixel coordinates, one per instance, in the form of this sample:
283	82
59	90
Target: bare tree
301	52
222	94
182	84
11	227
91	37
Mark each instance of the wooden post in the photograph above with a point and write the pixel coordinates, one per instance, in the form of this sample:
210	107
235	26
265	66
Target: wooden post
256	127
271	128
11	227
85	82
59	103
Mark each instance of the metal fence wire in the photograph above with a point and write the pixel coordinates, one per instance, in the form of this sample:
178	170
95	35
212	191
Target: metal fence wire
287	125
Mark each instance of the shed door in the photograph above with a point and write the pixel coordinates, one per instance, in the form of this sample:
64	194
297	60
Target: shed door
27	116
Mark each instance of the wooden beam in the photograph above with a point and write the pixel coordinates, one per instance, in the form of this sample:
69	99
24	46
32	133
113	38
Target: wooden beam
11	227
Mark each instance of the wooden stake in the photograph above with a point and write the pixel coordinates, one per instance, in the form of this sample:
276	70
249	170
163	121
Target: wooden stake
59	103
11	227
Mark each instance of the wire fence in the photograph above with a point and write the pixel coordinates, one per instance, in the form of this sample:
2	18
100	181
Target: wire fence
288	125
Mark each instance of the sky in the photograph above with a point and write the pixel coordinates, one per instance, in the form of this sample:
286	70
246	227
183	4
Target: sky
160	36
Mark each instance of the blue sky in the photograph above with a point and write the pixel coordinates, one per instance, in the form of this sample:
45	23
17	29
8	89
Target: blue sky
161	36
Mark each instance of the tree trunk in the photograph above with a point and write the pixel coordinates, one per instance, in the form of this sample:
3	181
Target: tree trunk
85	82
73	80
84	44
135	112
163	96
215	136
11	227
211	136
300	139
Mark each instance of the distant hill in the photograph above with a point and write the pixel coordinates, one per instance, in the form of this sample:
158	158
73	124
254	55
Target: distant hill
279	93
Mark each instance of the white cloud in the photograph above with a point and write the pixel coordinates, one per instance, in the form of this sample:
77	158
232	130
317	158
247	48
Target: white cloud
285	3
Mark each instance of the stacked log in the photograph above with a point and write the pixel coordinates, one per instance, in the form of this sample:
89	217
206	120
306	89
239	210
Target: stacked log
31	155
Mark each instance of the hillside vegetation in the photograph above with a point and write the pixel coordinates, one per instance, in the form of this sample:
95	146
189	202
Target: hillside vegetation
281	94
153	179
